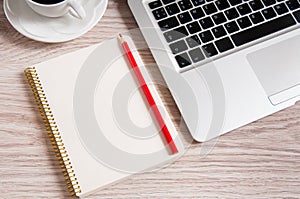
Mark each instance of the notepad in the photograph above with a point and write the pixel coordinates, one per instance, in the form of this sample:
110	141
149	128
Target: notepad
97	118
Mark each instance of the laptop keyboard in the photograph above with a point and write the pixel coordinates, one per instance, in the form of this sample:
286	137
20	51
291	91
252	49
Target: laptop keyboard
196	30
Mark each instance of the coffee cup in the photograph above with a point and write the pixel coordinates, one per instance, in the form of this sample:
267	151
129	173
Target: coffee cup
57	8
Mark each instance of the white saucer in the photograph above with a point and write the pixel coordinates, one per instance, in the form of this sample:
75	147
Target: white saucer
52	30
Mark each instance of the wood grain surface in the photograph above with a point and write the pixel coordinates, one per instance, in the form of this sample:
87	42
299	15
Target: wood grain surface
260	160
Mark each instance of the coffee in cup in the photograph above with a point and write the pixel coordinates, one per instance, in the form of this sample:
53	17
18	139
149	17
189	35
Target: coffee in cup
57	8
47	2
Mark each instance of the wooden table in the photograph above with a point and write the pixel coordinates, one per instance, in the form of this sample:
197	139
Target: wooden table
260	160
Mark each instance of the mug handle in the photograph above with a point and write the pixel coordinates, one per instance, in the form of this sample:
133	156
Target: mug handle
78	9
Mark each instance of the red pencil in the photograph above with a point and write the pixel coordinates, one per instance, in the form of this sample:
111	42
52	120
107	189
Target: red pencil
148	95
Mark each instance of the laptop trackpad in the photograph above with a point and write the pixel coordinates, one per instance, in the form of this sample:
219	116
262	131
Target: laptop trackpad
278	69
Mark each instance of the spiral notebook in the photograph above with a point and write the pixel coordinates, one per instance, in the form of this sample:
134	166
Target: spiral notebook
97	118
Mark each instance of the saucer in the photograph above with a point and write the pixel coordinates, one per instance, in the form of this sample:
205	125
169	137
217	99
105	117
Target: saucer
52	30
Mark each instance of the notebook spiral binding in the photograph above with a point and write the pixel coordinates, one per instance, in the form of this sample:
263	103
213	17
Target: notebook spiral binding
53	131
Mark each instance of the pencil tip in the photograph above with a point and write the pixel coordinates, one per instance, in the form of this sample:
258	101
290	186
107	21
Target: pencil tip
121	37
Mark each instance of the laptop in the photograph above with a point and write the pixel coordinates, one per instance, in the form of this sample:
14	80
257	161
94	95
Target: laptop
226	62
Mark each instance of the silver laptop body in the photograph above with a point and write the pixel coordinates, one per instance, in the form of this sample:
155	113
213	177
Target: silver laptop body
223	80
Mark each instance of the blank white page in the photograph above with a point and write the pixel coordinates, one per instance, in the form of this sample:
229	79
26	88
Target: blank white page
102	115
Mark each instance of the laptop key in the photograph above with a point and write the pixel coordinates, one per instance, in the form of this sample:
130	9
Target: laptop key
263	30
256	5
269	13
198	2
297	15
222	4
219	31
244	22
231	27
206	36
182	30
219	18
184	17
183	60
210	50
185	4
168	1
172	9
235	2
159	13
293	4
168	23
281	9
231	13
178	47
256	18
206	23
175	34
224	44
193	41
155	4
197	13
210	8
244	9
196	55
193	27
269	2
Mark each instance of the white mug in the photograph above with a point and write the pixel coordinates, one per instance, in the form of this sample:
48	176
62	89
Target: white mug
58	9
